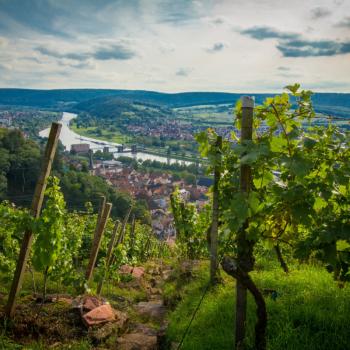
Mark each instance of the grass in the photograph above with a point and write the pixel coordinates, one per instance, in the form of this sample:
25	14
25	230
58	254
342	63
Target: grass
8	344
310	312
102	134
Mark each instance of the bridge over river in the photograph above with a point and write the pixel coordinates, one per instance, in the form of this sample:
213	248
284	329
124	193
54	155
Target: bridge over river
68	138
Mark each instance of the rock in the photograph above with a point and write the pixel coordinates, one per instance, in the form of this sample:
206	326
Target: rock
121	319
53	298
67	301
141	328
154	270
138	272
167	274
100	333
155	291
137	341
125	269
89	303
154	309
99	315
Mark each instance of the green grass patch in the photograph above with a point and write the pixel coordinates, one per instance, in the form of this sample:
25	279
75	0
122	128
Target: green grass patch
310	312
102	134
8	344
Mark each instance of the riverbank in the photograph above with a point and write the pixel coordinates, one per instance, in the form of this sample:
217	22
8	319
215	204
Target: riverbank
68	137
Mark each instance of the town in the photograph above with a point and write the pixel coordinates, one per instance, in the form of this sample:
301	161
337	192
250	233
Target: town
153	187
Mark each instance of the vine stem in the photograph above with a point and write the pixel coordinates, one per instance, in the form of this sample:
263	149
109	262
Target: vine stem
283	128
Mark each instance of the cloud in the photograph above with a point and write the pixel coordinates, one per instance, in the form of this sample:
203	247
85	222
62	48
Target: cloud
166	47
102	53
309	48
70	55
283	69
289	75
328	84
293	45
58	18
180	12
263	32
320	12
345	23
114	52
218	20
219	46
3	41
183	72
76	65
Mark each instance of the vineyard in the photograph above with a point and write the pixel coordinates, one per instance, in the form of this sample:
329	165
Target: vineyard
263	265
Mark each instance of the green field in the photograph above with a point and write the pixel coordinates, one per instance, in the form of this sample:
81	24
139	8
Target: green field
102	134
310	312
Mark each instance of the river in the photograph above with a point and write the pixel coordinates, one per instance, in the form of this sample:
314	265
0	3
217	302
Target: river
68	137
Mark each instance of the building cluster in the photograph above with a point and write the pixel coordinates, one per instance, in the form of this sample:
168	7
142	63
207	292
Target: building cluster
175	130
154	188
6	119
170	130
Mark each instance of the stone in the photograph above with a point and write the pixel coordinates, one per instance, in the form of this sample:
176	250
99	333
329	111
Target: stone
125	269
138	272
141	328
89	303
100	333
167	274
155	291
154	270
121	318
154	309
137	341
99	315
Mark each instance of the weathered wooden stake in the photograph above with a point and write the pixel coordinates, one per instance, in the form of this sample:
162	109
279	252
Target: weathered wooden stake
97	241
101	209
121	233
214	271
100	212
132	237
109	255
37	202
244	252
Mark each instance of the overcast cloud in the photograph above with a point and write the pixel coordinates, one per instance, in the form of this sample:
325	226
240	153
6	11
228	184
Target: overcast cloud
166	45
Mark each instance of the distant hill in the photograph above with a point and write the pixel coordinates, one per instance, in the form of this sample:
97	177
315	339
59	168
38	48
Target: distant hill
112	108
336	104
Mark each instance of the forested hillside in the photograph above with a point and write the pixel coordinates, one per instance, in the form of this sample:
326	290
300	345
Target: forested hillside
118	112
337	104
19	170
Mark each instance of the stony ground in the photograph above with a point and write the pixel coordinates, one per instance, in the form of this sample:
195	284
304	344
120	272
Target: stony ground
131	315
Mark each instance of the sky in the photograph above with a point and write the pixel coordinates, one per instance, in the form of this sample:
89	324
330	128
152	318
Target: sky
175	45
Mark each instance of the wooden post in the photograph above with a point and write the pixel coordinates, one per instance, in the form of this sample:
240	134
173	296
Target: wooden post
121	233
109	255
101	209
37	202
244	251
132	237
214	277
100	212
97	241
